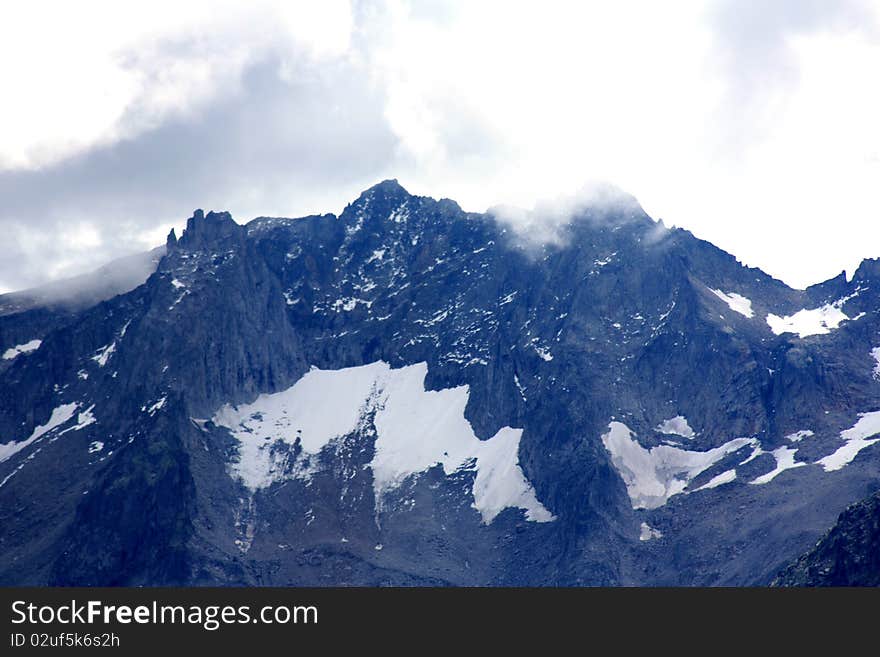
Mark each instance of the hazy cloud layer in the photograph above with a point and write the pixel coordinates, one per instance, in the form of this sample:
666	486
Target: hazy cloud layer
273	146
751	124
757	55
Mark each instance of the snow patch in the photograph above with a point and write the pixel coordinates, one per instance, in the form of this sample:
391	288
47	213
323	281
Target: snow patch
349	303
784	461
654	475
677	426
59	416
519	386
604	261
647	532
725	477
416	429
875	354
798	436
806	322
399	215
378	254
856	439
737	303
104	354
179	299
544	353
95	446
83	419
152	409
25	348
756	452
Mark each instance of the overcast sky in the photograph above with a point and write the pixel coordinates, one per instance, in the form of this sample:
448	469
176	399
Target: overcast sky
751	123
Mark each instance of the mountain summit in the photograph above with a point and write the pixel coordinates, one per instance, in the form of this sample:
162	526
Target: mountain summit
409	394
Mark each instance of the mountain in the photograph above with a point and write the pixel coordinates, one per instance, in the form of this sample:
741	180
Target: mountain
27	316
412	394
117	277
848	555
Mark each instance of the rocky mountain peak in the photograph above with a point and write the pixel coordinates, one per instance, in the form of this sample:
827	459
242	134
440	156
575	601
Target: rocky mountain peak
388	193
389	187
406	394
202	229
869	269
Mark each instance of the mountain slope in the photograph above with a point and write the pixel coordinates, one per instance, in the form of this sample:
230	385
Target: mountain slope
848	555
412	394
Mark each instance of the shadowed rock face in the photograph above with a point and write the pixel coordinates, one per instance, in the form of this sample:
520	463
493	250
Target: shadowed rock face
848	555
619	320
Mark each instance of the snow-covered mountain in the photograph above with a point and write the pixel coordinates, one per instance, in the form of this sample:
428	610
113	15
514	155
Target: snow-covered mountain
412	394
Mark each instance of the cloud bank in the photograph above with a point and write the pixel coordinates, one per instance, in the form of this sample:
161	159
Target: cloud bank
751	124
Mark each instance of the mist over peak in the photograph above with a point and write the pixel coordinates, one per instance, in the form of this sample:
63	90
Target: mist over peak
549	221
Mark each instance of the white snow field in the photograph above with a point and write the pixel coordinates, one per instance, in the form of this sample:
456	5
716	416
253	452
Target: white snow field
677	426
737	302
415	428
784	461
59	416
654	475
810	321
20	349
856	438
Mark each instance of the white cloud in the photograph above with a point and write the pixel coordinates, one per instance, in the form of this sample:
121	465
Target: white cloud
753	128
89	73
649	96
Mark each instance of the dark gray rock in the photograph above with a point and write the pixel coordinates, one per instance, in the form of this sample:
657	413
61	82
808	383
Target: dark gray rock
848	555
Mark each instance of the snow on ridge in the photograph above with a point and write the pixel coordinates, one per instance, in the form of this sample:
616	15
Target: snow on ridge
654	475
875	353
60	416
677	426
25	348
737	303
856	439
416	429
811	321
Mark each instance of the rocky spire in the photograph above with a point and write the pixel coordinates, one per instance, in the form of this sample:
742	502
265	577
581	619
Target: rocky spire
202	229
